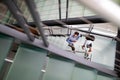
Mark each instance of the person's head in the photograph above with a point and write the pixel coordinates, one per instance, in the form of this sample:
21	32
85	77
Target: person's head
76	33
90	37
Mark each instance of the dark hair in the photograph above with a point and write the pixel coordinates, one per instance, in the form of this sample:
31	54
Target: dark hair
90	37
77	33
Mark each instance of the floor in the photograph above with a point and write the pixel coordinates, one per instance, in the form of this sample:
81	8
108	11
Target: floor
103	51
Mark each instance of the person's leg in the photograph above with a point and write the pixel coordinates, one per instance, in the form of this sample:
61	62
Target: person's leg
73	48
70	43
85	55
89	55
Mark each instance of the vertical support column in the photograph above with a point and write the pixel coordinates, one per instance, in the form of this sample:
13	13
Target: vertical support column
19	17
90	28
67	5
32	7
59	6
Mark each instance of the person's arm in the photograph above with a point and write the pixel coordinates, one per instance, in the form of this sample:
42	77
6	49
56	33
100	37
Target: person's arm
74	41
83	46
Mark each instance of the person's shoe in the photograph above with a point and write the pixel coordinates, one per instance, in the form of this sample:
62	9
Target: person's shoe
68	44
87	58
84	57
73	48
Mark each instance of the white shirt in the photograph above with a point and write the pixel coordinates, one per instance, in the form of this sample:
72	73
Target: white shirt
87	43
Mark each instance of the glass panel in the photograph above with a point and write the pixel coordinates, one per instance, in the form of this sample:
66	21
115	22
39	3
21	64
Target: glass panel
5	45
102	76
28	63
59	69
84	73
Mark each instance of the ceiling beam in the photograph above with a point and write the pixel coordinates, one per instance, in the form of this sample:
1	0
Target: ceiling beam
71	21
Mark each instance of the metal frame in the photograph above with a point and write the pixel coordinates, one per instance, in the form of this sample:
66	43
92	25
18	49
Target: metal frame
36	17
55	50
89	32
96	34
117	60
19	17
117	65
117	56
71	21
117	70
68	33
